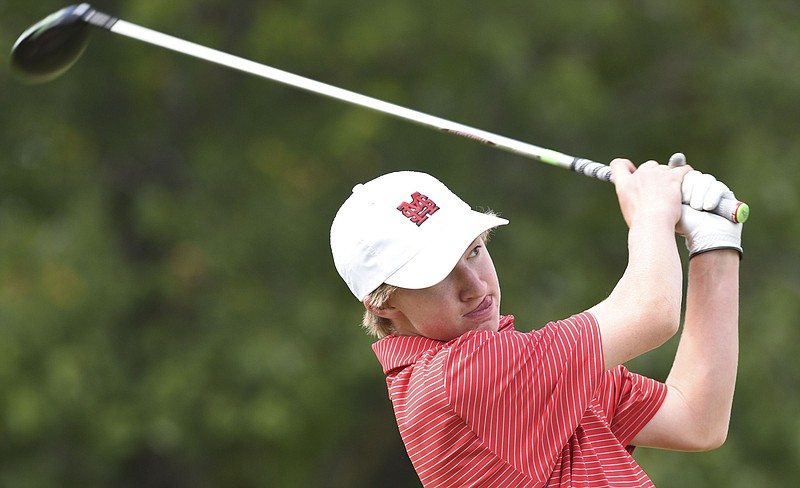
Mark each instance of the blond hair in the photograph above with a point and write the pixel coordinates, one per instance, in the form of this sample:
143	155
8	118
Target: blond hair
381	327
376	325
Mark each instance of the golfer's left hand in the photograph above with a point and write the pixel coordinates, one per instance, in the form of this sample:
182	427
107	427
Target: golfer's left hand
705	231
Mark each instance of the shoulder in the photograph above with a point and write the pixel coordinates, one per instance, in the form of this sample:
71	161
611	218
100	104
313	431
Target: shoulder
560	334
561	345
575	335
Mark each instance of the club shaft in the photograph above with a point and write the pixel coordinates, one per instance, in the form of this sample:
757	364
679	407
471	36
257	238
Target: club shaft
731	209
208	54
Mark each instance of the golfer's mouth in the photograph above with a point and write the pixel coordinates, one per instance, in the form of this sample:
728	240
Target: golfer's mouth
483	309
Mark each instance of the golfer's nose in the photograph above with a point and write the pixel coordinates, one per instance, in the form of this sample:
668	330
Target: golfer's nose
471	284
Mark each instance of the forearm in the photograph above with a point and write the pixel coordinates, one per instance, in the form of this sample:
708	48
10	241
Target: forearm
704	371
656	274
643	310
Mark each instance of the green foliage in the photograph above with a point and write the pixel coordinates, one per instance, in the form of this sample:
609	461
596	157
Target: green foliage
169	311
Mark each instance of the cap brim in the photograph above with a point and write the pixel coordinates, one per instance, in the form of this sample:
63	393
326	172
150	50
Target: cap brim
437	259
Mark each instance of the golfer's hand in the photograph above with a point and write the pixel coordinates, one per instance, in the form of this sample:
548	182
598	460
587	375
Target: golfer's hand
705	231
650	192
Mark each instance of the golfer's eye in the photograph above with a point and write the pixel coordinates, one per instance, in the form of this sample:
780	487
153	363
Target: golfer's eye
475	251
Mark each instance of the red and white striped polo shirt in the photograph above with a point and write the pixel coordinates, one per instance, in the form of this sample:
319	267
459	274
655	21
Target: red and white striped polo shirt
512	409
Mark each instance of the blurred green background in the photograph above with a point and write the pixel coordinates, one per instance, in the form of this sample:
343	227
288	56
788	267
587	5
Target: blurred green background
169	312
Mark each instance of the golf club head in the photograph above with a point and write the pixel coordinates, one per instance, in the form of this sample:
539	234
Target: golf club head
51	46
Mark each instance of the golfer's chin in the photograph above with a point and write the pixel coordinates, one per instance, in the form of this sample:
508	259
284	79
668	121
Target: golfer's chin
492	325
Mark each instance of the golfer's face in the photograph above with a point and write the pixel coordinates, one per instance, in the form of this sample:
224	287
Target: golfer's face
468	299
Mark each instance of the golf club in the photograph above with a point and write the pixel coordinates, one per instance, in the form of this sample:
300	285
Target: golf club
50	47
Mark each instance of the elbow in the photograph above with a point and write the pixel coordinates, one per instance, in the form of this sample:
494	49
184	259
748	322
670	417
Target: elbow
668	329
665	317
716	434
711	439
717	441
673	320
706	432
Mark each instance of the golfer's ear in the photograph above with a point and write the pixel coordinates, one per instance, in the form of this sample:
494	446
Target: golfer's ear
387	311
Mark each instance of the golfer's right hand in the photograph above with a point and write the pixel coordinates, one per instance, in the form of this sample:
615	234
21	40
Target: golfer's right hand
652	191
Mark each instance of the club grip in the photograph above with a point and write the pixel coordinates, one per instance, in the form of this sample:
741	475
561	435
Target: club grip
729	208
733	210
592	169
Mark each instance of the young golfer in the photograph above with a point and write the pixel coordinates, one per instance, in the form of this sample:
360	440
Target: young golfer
480	404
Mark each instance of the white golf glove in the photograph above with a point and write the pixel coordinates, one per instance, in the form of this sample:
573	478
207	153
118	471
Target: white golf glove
705	231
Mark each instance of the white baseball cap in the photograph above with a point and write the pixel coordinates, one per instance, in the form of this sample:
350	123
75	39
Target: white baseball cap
405	229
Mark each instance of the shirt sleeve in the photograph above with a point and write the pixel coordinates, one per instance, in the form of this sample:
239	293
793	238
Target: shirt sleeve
524	394
629	401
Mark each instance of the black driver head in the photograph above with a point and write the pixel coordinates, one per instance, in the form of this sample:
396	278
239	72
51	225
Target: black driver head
49	47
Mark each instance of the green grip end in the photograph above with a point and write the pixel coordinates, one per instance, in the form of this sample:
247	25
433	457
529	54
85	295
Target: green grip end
742	212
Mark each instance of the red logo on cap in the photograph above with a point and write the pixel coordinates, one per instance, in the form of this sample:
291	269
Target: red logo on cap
419	209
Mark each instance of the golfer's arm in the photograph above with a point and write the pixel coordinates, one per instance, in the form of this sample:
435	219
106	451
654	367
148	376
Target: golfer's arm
696	412
643	310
